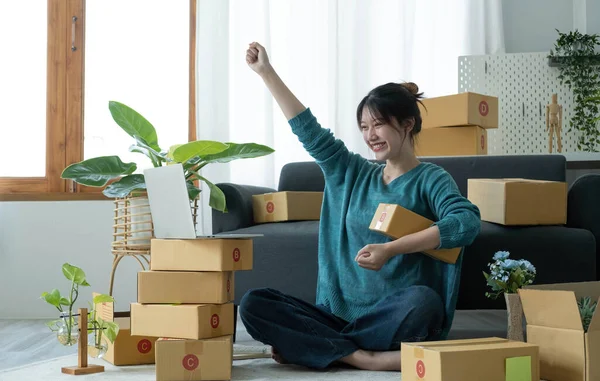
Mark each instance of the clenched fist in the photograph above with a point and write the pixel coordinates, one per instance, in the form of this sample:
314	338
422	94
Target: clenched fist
257	59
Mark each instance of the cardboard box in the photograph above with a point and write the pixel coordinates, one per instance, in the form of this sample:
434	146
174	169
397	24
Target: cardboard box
489	359
185	287
287	206
183	321
216	254
519	201
452	141
127	349
460	110
185	360
554	324
395	221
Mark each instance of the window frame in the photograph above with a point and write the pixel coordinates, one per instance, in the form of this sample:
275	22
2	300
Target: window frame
65	85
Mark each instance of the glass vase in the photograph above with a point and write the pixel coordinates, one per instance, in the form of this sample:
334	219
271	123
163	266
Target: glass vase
97	345
68	330
514	310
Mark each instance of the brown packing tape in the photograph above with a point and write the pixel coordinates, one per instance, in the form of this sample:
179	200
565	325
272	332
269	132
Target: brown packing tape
419	353
191	365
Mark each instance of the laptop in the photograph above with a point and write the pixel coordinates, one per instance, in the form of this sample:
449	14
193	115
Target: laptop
170	205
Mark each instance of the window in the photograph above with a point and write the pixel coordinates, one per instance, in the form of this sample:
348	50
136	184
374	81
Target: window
73	58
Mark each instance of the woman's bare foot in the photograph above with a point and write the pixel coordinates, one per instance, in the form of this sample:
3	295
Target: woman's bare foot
276	356
368	360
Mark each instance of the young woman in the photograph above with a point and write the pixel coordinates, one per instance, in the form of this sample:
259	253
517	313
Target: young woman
372	292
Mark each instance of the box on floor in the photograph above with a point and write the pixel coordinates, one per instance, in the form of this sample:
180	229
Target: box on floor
554	323
127	349
460	110
396	221
201	254
490	359
287	206
194	360
519	201
185	287
182	321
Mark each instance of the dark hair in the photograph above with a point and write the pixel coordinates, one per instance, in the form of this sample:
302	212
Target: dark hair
397	101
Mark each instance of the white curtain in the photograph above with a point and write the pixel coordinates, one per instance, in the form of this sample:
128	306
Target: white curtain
330	53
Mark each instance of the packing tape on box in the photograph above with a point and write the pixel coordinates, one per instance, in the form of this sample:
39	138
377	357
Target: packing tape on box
419	353
190	362
382	217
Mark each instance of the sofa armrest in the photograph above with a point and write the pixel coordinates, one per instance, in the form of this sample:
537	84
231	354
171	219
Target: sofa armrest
239	214
583	205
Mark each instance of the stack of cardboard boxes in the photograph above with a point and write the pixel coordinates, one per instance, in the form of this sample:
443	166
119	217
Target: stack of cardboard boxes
185	301
456	125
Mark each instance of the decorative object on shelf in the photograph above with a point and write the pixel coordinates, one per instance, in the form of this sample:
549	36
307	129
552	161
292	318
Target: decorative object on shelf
69	328
506	277
99	171
575	56
554	116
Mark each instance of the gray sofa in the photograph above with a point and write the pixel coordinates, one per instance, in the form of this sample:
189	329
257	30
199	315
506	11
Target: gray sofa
286	257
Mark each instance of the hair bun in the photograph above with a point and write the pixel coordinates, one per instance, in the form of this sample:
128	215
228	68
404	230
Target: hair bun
412	87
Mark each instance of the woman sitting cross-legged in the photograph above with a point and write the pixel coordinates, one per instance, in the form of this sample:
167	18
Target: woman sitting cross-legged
372	292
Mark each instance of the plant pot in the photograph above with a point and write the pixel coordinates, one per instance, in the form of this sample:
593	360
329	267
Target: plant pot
68	332
97	347
514	310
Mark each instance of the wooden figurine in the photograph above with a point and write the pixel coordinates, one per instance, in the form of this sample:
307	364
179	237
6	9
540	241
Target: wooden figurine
82	366
554	113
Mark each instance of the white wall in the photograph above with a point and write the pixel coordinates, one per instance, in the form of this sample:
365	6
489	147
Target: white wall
36	238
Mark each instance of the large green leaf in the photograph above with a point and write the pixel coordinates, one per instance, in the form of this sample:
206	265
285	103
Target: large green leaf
199	148
192	189
75	274
103	298
112	330
134	124
125	186
98	171
217	197
52	297
239	151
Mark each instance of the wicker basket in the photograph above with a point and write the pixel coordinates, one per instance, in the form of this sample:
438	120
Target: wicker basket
133	230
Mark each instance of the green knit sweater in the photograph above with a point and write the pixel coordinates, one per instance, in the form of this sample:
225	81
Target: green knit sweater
354	188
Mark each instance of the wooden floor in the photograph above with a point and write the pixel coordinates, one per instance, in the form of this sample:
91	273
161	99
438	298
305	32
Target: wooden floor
25	341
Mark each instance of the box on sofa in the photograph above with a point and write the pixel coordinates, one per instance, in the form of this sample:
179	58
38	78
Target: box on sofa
492	359
554	323
519	201
395	221
287	206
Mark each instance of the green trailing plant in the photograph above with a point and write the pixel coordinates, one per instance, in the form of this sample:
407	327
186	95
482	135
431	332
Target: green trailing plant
586	310
579	68
507	276
100	327
99	171
66	325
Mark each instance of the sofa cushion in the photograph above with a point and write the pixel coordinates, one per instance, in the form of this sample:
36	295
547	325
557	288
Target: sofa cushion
284	259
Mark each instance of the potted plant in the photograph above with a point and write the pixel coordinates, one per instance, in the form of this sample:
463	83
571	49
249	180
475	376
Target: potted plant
576	57
506	277
66	326
99	171
587	308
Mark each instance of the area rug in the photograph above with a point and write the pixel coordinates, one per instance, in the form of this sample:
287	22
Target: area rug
247	370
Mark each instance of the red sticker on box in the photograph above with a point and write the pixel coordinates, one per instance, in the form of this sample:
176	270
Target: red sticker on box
190	362
270	207
382	218
214	321
236	254
484	109
144	346
420	369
